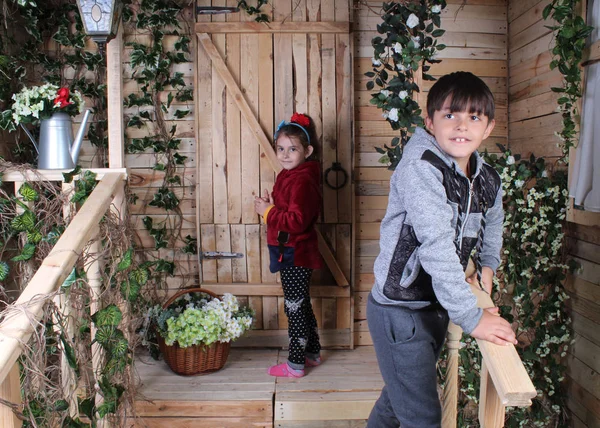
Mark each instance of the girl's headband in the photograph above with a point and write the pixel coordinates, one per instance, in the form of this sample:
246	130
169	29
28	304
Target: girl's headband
295	117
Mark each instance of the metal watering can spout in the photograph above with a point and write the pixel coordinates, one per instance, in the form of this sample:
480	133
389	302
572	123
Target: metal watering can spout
79	137
37	149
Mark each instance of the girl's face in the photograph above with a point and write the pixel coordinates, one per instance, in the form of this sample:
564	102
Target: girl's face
290	152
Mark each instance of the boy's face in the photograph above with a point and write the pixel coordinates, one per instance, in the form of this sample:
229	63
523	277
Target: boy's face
459	133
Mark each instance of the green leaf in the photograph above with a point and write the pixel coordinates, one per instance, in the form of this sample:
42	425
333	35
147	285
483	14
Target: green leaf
61	405
24	222
26	254
125	262
4	271
68	176
130	290
140	275
34	237
109	316
69	353
29	194
70	279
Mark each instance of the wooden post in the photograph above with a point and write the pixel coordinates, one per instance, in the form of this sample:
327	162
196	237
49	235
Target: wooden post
10	390
450	397
93	270
491	409
114	83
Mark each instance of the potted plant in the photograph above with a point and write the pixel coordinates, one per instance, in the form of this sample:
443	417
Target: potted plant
194	329
36	103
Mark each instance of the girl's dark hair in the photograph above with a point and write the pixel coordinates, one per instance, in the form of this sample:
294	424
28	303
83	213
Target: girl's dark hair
293	131
465	90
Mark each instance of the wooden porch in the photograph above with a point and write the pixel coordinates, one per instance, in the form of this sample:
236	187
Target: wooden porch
339	393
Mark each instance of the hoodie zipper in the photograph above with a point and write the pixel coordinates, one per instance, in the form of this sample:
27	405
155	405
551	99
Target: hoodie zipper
462	227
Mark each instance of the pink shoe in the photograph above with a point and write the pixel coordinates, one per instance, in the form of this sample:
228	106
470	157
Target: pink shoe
283	370
309	362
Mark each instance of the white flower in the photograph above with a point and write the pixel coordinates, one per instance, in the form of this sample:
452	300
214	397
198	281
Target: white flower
393	115
397	47
385	93
416	41
402	94
400	67
510	160
436	8
519	183
412	21
376	62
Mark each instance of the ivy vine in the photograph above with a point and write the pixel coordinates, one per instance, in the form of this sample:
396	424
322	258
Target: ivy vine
570	35
409	44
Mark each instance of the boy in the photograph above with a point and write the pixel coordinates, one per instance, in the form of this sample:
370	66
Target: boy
444	202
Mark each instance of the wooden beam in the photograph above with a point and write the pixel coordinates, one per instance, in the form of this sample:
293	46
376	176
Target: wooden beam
450	398
241	102
56	174
263	141
289	27
114	84
245	289
10	391
511	380
591	53
491	409
18	325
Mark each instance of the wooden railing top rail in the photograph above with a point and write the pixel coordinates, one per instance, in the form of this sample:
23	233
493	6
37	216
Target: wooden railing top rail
17	327
506	369
55	174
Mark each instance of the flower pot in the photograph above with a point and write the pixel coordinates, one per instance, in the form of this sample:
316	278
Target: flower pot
194	360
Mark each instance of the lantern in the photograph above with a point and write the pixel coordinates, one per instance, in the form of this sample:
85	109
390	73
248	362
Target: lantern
100	18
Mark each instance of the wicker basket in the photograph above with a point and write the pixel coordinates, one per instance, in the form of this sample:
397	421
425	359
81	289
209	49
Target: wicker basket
197	359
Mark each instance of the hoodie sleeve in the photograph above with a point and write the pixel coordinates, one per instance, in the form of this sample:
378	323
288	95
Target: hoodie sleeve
430	214
302	210
492	237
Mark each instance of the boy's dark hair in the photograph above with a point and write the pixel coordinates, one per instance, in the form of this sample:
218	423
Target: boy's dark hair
465	90
293	131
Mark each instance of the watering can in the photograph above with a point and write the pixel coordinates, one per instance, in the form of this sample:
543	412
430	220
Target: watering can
57	149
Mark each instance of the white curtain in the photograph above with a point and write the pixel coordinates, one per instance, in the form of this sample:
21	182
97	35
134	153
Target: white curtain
585	182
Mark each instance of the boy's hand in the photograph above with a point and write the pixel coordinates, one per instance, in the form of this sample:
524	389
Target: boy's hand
487	278
494	329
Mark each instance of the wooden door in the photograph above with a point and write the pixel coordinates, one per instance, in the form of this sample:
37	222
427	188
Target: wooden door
251	76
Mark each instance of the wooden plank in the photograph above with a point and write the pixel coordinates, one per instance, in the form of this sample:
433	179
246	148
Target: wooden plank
114	104
586	351
587	271
253	253
250	166
592	53
247	113
583	375
516	9
208	243
223	243
541	45
203	103
238	245
10	392
586	400
491	409
300	67
265	102
345	107
282	27
233	119
270	313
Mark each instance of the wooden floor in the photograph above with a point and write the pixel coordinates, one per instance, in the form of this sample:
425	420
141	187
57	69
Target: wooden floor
339	393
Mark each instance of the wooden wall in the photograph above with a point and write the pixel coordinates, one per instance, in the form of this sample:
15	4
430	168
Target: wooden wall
476	36
532	122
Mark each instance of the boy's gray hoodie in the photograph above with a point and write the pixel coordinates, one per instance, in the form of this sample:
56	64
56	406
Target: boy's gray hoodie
432	225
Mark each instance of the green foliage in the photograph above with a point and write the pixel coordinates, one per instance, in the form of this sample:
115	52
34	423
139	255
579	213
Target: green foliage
570	34
255	10
84	186
409	43
125	262
109	316
26	253
4	271
28	193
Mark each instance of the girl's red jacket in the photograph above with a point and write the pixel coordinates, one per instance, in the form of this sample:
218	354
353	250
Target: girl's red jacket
297	199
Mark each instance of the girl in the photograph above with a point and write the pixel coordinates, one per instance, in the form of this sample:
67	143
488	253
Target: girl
290	213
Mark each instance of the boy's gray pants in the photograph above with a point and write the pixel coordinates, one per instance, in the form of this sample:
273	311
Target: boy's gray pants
407	343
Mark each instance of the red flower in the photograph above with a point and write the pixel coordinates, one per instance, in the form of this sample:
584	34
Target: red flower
300	119
62	97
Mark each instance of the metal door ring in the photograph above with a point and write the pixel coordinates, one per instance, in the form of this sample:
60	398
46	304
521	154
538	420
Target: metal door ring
336	167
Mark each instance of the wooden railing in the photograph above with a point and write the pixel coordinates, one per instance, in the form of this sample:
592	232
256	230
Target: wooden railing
504	380
18	325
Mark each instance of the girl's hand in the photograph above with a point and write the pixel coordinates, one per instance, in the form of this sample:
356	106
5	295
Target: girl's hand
261	204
